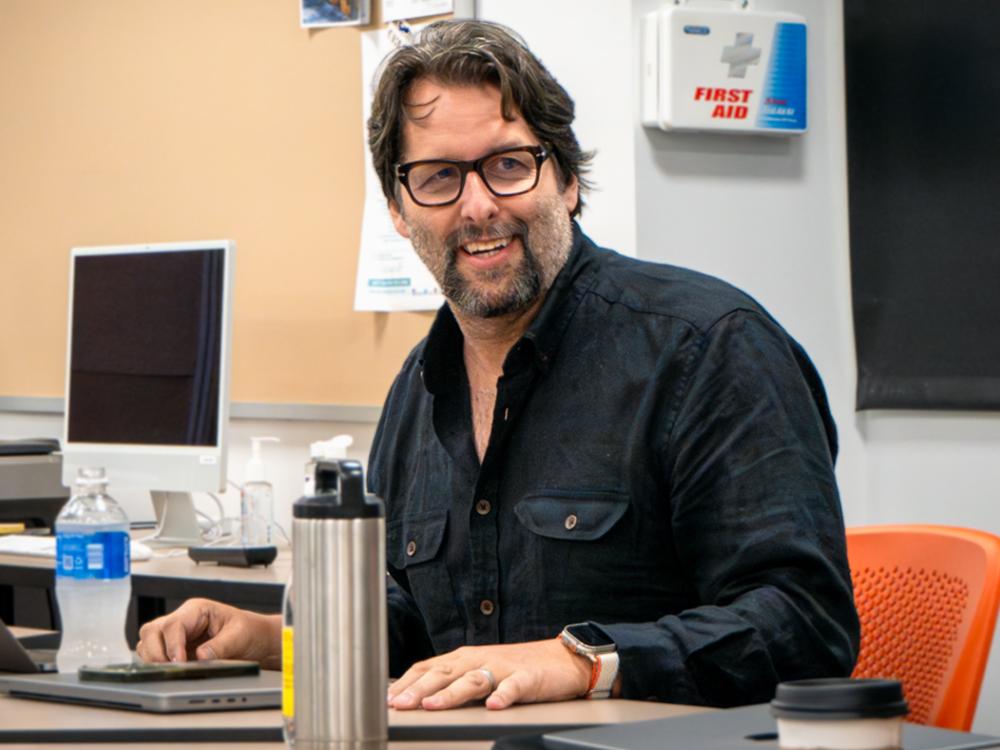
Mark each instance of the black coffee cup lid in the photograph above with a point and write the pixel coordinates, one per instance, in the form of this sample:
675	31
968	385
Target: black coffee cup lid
839	698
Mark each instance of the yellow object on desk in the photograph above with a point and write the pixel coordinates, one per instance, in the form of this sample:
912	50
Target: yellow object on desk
11	528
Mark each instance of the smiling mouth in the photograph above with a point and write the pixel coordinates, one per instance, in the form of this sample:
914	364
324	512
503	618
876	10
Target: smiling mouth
486	248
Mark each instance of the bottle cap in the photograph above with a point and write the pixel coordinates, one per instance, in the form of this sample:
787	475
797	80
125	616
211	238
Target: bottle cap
255	466
340	494
839	698
91	475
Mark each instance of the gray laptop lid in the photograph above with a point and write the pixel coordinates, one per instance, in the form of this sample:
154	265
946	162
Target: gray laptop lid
170	696
748	728
14	657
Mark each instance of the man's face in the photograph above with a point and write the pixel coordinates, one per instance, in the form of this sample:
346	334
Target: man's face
491	255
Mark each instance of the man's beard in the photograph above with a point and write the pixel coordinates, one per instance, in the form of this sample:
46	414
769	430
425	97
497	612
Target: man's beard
545	242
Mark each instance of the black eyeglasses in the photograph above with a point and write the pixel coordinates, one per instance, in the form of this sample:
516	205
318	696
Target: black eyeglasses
439	182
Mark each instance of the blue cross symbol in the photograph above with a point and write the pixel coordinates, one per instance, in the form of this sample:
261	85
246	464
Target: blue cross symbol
740	55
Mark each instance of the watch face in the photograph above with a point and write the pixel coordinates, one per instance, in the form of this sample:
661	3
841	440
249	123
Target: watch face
589	634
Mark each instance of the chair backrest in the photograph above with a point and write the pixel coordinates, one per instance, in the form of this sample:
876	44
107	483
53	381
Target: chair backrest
927	597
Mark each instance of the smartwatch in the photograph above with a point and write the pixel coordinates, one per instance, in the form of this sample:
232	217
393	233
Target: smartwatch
588	639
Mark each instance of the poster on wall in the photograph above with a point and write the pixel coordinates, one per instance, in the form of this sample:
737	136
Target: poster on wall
324	13
390	275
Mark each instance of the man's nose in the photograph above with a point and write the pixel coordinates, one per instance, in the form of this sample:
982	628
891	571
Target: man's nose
477	203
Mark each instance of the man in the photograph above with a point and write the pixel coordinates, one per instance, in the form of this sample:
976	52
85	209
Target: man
582	439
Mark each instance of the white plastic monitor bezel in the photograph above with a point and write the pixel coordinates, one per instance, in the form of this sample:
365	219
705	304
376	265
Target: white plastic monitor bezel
169	468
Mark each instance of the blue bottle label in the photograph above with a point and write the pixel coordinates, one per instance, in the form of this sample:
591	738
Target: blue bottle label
102	555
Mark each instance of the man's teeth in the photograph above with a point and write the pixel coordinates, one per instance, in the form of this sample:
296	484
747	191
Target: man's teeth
486	247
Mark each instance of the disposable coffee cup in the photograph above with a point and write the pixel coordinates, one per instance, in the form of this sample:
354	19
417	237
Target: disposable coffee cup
840	714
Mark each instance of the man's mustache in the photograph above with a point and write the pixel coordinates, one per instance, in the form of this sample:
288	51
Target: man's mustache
468	234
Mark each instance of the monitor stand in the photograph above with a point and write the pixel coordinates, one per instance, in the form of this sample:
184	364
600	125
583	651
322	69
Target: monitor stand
176	521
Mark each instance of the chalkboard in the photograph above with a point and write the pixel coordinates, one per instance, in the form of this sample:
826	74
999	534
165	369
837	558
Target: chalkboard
138	122
923	122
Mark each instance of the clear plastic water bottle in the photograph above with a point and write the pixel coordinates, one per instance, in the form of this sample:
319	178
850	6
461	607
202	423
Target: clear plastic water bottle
93	583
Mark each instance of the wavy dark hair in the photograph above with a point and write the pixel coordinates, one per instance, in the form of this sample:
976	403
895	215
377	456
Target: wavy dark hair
470	53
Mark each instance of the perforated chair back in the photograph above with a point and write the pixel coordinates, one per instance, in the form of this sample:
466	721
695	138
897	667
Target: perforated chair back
927	597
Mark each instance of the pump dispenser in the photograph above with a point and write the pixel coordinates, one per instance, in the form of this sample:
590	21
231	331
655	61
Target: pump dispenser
257	499
334	449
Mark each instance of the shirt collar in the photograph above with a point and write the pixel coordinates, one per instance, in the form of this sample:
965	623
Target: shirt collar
441	363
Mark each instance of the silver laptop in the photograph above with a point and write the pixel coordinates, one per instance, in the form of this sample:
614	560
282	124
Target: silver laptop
170	696
16	656
747	728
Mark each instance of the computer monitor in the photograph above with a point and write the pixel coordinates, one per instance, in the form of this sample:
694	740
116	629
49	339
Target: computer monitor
147	372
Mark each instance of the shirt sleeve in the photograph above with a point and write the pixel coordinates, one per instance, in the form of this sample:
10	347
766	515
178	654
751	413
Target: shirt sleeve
756	520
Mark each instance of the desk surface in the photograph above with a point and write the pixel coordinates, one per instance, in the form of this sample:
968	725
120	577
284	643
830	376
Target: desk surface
172	562
172	575
20	632
21	715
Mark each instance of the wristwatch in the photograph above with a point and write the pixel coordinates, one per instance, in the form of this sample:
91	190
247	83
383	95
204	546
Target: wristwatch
588	639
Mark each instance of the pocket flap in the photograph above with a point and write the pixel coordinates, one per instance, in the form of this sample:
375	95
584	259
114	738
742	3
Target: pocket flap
564	514
415	539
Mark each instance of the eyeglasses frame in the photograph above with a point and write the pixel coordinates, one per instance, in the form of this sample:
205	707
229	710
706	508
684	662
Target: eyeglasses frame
464	167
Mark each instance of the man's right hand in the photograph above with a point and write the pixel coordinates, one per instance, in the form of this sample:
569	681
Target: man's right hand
204	629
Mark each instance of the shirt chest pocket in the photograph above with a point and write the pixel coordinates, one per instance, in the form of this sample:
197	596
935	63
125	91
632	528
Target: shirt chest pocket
415	546
414	540
568	515
573	542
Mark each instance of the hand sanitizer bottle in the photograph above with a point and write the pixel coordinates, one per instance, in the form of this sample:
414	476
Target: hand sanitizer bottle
257	499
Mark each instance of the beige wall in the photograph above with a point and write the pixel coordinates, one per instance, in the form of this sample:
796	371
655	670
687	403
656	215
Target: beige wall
125	121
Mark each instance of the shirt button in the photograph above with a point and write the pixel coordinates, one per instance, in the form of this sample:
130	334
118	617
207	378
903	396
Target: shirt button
411	548
570	522
486	607
483	507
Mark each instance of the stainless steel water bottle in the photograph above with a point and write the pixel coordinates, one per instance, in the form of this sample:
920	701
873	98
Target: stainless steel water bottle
340	657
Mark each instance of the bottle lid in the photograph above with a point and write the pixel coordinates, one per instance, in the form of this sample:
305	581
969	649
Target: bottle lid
87	475
839	698
340	494
255	466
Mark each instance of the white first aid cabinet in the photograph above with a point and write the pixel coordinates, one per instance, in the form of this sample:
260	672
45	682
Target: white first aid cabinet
724	70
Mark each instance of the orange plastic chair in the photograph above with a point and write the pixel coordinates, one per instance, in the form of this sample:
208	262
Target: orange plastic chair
927	597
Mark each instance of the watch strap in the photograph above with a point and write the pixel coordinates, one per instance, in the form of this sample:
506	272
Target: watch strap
603	671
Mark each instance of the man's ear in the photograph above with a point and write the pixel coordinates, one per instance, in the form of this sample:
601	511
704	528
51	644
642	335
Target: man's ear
571	194
397	219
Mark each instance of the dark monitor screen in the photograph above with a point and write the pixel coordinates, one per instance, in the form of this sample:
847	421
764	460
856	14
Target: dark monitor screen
146	339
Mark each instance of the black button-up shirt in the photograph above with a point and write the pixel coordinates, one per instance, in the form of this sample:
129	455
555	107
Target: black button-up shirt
660	463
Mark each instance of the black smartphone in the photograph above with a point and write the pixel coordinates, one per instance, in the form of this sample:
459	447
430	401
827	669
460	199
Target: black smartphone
153	672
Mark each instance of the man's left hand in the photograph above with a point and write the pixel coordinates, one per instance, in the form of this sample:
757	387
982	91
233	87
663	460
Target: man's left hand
522	673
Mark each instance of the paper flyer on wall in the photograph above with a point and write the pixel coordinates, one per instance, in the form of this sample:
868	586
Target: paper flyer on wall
390	275
399	10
